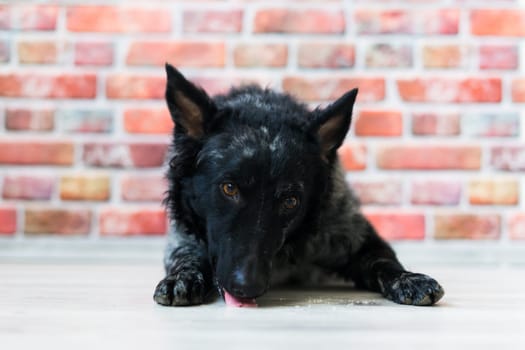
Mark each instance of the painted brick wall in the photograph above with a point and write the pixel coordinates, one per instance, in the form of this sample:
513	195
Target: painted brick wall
437	147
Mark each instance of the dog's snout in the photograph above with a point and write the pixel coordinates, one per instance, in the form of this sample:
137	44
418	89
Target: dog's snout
249	280
243	286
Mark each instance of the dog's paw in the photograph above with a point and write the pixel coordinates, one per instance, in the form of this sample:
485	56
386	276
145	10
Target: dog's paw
413	289
181	289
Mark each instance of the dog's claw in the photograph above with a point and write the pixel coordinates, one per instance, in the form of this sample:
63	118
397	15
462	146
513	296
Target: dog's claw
181	289
414	289
162	294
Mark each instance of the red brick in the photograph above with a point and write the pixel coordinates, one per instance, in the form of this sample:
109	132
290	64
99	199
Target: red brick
132	222
94	54
299	21
180	54
509	158
28	187
379	123
148	154
435	192
215	85
326	55
498	57
4	51
494	192
353	156
478	2
35	17
444	56
500	124
139	188
40	85
517	226
389	56
118	19
221	84
124	86
499	22
397	225
467	226
260	55
29	119
7	221
331	88
122	155
36	153
518	90
415	2
293	1
442	21
57	221
84	187
429	157
370	21
384	192
208	21
5	17
438	124
39	52
85	120
450	90
148	121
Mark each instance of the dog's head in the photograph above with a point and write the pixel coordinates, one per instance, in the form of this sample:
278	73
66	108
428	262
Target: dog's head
257	169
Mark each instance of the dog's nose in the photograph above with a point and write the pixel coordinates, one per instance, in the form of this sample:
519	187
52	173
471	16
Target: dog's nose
247	285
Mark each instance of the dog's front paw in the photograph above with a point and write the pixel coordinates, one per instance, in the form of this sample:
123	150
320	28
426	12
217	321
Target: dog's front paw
413	289
181	289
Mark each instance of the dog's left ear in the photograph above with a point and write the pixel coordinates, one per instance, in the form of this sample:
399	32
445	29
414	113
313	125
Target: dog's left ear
332	123
190	107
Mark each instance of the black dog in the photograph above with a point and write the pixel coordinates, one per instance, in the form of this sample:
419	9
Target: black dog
257	197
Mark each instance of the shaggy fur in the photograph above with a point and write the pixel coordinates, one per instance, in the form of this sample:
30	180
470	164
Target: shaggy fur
257	197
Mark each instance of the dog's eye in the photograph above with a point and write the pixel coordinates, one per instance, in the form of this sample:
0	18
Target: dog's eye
230	189
290	202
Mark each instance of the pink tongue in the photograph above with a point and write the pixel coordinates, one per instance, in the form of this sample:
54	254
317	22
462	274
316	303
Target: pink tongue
233	301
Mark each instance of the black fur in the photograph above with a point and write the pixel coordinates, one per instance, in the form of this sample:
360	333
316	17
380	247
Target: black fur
257	197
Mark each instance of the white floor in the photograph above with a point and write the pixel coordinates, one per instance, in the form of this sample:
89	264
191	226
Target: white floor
71	305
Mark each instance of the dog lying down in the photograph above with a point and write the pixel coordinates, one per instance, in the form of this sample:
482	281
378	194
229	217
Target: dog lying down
257	197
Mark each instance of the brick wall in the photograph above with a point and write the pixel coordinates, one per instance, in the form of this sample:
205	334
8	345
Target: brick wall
437	147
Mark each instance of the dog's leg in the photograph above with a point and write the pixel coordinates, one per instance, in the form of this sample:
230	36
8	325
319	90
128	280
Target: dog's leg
188	274
375	267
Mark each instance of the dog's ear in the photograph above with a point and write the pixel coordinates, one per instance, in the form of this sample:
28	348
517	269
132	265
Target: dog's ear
190	107
332	123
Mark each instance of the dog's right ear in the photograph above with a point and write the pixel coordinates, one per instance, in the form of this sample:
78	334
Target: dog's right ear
332	123
190	107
